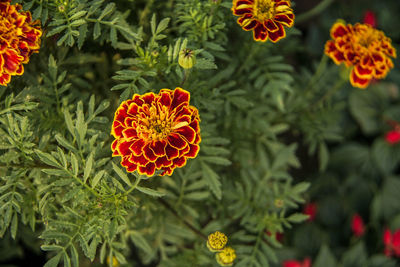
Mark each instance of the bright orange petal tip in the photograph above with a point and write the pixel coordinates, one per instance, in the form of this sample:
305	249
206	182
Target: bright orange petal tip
156	132
19	38
364	49
266	18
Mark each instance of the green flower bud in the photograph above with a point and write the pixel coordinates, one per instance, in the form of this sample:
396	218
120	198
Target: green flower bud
186	59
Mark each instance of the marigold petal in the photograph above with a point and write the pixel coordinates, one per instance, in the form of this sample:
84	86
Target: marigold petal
363	72
250	24
124	147
148	153
271	25
358	81
277	35
129	133
187	132
114	145
260	33
193	151
130	167
138	160
184	151
148	98
179	162
148	170
163	162
180	96
338	30
175	140
5	79
137	147
165	99
133	109
158	147
171	152
285	19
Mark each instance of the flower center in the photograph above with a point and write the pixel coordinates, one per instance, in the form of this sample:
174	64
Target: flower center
157	124
264	9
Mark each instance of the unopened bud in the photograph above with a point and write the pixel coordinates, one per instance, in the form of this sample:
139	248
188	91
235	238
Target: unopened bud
186	59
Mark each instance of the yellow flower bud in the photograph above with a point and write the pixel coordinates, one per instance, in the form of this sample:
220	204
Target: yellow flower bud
186	59
115	262
216	241
226	256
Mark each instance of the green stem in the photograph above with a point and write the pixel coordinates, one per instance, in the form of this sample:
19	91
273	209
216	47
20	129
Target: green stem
133	186
314	11
185	76
318	72
328	93
175	213
253	51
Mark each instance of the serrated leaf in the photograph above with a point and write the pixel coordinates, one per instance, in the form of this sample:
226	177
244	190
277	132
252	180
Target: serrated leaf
297	218
150	191
74	163
107	10
217	160
74	256
212	180
162	25
121	174
97	178
47	158
88	167
77	15
14	226
141	242
53	262
96	31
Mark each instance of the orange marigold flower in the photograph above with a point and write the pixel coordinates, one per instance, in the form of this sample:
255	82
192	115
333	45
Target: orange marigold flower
265	17
363	48
156	132
19	38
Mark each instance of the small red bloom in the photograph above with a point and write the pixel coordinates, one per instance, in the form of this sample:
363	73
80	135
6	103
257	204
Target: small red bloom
392	243
370	18
311	210
364	49
19	38
357	225
156	132
293	263
393	137
266	18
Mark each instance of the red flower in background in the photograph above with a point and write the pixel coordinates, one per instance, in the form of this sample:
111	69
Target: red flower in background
311	210
156	132
293	263
357	225
19	38
392	243
370	18
393	137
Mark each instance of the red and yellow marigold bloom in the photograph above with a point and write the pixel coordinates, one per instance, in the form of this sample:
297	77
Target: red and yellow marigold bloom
156	132
19	38
366	50
266	18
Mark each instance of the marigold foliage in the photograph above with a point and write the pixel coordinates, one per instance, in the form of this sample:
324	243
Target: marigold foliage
19	38
364	49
